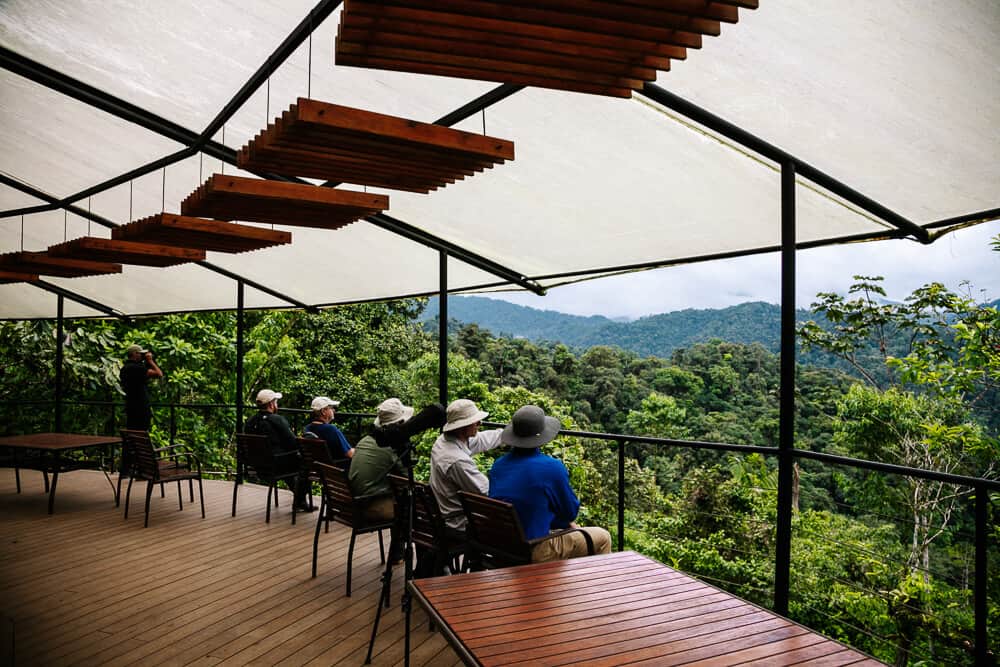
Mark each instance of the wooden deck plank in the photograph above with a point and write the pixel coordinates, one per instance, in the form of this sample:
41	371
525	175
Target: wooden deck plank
84	586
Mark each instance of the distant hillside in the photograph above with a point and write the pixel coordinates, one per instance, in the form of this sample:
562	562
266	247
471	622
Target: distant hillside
657	335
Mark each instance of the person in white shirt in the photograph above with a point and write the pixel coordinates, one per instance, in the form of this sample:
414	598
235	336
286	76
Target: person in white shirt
452	467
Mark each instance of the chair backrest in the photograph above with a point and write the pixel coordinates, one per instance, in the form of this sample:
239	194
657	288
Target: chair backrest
254	451
495	530
338	496
315	450
139	452
428	524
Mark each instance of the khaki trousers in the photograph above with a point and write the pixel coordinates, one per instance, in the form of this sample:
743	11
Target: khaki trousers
571	545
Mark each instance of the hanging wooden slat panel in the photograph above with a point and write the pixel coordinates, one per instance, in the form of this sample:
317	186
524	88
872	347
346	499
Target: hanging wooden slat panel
337	143
125	252
189	232
7	277
237	198
47	265
593	46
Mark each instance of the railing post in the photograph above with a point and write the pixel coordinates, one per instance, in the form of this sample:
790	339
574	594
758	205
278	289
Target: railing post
621	495
443	330
786	419
173	419
59	364
979	592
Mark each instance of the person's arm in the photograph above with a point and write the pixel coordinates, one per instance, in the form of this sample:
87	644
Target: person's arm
564	503
485	440
152	370
345	446
283	432
467	477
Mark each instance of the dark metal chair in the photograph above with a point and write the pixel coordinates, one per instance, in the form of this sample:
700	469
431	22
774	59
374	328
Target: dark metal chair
429	532
128	465
339	504
255	458
314	449
148	464
496	536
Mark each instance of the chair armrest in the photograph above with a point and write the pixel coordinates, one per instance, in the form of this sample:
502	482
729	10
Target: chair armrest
292	452
168	448
371	497
586	536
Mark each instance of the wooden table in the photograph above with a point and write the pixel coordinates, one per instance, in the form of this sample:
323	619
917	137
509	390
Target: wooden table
52	447
611	610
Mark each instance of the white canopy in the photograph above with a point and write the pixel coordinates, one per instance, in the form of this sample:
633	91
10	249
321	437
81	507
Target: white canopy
899	100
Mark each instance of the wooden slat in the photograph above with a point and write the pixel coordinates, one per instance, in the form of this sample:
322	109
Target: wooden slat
340	143
238	198
16	276
47	265
126	252
593	46
190	232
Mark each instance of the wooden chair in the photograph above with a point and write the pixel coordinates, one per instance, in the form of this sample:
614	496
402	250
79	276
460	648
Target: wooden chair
429	529
496	535
314	449
340	505
148	464
128	465
254	457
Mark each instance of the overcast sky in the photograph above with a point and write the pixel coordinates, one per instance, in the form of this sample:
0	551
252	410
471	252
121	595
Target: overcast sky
961	256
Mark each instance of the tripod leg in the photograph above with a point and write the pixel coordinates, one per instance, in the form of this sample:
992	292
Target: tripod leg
386	582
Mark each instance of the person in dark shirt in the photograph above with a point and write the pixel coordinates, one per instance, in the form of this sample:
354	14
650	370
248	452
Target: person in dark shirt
134	376
323	411
269	423
538	487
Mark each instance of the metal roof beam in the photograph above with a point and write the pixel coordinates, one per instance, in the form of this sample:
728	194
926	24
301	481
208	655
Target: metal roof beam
772	152
79	298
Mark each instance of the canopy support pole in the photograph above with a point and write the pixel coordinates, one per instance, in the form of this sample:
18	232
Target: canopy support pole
786	415
443	330
240	351
59	363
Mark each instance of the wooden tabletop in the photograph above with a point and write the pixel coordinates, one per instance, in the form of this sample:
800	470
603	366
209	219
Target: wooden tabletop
57	441
611	610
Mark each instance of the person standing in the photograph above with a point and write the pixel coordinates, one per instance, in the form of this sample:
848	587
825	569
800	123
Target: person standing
538	487
452	467
323	411
138	368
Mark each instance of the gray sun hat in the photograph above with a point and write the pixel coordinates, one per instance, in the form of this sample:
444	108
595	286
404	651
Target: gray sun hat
391	411
530	427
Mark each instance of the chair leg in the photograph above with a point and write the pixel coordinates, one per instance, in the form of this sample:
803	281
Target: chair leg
163	493
267	515
118	490
350	560
191	488
17	478
149	494
128	494
381	547
45	478
236	487
201	496
295	494
319	522
180	494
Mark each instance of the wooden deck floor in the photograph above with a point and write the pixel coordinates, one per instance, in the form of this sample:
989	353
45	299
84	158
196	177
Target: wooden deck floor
85	587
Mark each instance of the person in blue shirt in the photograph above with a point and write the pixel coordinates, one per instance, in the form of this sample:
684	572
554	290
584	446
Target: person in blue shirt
323	411
538	487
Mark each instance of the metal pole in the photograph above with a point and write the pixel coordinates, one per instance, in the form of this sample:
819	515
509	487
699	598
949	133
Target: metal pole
621	495
239	355
443	330
786	427
980	593
59	364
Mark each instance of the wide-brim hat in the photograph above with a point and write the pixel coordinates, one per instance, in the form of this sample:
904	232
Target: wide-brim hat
461	413
530	427
392	411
